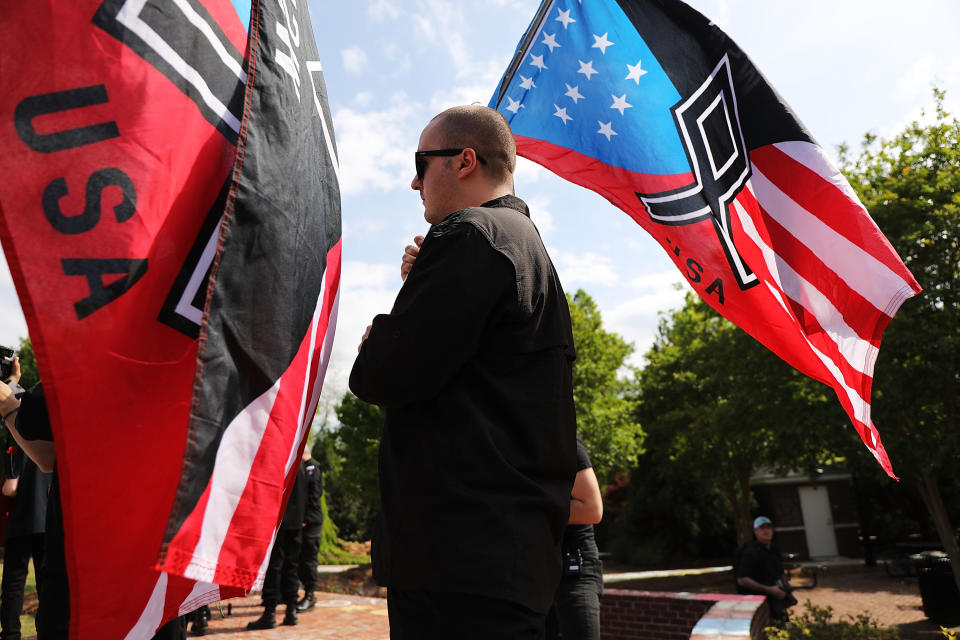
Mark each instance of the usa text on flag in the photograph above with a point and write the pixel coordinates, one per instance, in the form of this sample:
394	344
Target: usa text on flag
119	126
652	106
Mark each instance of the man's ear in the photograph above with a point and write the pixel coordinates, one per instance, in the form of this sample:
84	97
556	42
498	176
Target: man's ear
468	163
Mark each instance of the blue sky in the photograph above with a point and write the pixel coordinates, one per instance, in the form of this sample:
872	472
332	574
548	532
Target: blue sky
846	67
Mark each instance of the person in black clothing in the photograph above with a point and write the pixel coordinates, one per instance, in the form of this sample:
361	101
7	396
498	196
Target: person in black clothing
29	424
760	570
25	535
474	367
28	420
312	529
576	606
281	583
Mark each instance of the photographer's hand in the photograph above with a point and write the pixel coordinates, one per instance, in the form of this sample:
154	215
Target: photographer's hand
15	372
8	401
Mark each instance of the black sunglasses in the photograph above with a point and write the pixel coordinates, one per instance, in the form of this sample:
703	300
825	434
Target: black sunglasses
420	158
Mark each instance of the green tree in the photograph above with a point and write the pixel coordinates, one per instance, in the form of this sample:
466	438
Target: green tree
911	186
604	416
719	405
605	420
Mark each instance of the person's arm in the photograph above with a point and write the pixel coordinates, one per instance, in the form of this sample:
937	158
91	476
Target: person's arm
586	503
771	590
437	321
10	487
40	451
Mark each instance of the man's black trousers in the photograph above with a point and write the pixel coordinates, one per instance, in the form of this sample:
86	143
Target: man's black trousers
417	614
309	548
16	563
281	583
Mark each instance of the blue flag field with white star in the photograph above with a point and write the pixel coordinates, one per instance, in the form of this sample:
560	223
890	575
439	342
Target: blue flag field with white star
651	105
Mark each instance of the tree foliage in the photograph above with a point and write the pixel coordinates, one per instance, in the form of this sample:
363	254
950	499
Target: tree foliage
605	420
604	416
720	406
911	186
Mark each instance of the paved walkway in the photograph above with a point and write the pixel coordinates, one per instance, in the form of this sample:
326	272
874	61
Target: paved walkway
336	616
850	590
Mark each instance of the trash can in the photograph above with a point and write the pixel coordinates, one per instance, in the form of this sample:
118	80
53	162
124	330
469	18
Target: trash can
938	589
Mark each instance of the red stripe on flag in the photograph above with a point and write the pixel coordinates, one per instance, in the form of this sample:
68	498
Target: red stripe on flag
859	314
247	539
595	175
832	206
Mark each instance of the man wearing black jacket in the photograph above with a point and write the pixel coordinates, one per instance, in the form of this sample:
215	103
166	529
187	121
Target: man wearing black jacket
312	529
473	365
281	582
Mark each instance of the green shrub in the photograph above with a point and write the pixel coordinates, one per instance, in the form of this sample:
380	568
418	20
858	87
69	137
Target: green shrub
816	623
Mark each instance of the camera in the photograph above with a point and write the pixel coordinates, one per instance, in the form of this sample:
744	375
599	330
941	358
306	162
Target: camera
6	362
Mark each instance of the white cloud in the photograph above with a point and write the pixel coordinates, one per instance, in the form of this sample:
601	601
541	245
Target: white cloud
527	173
363	99
637	313
13	325
376	146
578	269
443	22
381	10
366	289
540	213
355	227
354	59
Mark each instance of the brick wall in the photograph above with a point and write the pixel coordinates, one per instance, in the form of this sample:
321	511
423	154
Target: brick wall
661	615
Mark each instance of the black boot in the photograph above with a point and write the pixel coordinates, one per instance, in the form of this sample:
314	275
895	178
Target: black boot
200	627
267	620
290	615
307	602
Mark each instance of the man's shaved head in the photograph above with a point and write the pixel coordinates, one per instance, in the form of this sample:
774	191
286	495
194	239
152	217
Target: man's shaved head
483	130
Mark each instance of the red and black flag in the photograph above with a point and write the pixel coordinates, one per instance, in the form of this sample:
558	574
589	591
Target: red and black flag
133	149
651	105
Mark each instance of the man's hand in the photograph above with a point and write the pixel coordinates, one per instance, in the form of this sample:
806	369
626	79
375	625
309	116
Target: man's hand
776	592
410	253
366	334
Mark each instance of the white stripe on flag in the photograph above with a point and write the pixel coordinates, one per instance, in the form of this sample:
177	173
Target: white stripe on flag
325	353
152	614
204	27
813	157
262	571
859	353
859	269
201	594
238	449
306	393
861	408
129	16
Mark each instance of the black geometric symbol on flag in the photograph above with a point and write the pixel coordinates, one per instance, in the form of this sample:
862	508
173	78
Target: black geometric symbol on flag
709	126
184	42
183	308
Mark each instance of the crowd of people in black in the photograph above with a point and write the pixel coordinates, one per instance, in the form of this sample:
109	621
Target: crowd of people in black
34	530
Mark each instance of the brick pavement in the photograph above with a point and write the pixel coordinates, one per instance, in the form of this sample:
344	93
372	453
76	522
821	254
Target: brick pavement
849	590
336	616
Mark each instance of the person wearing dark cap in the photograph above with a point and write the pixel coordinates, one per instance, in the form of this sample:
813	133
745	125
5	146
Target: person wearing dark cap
760	570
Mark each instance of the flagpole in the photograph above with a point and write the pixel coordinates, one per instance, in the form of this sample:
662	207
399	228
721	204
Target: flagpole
523	48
